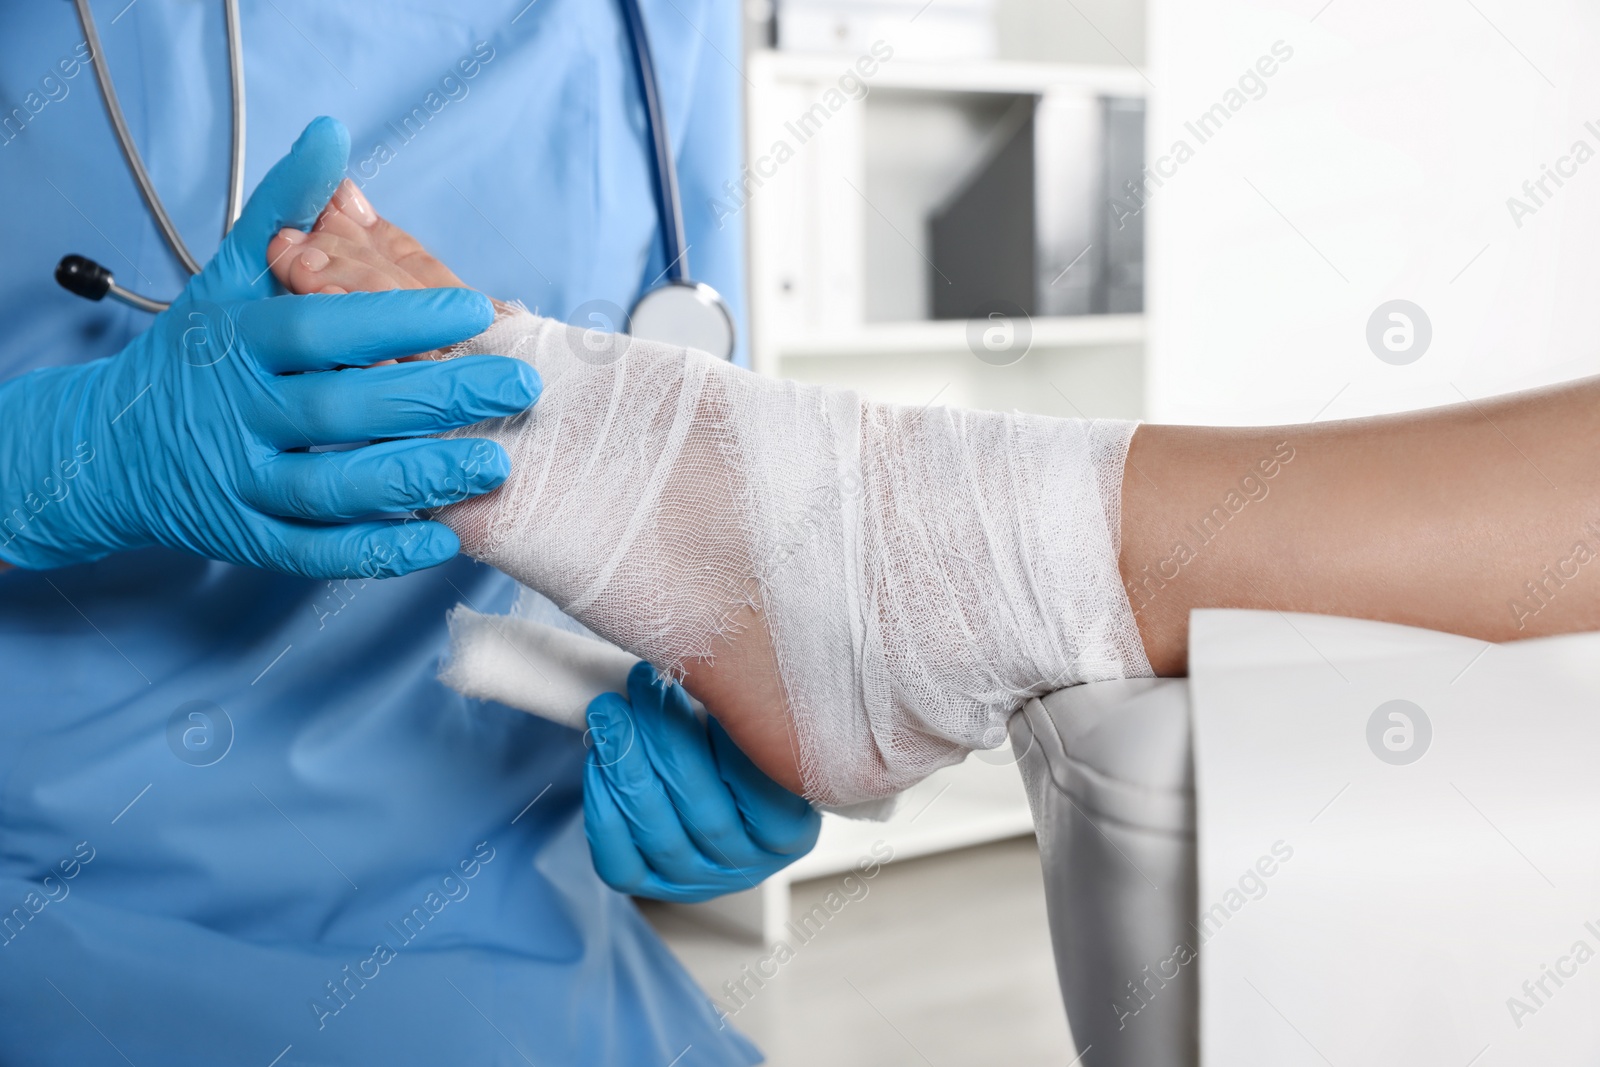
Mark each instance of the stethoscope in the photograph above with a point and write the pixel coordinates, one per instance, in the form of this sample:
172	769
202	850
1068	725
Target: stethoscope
678	311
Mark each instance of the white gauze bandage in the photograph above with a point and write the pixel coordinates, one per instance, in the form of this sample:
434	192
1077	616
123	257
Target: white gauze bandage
922	572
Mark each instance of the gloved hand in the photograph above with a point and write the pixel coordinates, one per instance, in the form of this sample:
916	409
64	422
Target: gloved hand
672	809
184	437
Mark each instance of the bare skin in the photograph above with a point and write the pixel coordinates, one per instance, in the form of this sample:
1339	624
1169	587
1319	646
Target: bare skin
1436	519
1465	519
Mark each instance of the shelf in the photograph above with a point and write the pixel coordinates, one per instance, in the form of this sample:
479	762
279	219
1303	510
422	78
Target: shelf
988	76
950	337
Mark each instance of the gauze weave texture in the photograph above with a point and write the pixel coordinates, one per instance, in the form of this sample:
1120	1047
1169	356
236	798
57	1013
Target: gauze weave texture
922	571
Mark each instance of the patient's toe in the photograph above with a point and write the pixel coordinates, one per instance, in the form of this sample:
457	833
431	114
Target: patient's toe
351	204
407	252
349	215
321	262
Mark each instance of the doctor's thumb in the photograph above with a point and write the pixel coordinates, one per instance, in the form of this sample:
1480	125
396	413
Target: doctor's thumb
293	193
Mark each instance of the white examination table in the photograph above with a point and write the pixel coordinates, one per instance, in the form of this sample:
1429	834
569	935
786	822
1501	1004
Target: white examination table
1359	888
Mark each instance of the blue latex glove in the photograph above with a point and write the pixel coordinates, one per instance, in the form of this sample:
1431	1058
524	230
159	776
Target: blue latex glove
187	437
672	808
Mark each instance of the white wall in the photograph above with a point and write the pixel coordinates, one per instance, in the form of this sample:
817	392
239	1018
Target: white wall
1376	166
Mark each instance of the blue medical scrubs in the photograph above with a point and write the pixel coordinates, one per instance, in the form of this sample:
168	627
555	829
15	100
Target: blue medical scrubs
240	820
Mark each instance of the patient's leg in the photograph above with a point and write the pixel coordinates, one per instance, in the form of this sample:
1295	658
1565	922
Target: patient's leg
1445	519
1480	518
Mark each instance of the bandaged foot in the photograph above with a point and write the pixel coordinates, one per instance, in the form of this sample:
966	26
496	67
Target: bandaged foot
900	580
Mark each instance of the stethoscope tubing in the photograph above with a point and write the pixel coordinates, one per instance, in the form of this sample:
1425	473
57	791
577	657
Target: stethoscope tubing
236	84
89	279
670	206
130	150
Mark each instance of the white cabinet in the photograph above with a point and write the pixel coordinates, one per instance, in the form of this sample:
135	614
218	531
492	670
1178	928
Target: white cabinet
848	156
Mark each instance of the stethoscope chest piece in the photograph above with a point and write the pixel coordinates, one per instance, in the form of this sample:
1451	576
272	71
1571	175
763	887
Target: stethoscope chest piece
687	314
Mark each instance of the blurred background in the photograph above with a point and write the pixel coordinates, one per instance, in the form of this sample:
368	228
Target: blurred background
1209	211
